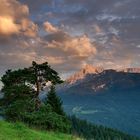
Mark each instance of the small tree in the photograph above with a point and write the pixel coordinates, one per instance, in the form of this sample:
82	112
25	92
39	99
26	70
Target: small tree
54	101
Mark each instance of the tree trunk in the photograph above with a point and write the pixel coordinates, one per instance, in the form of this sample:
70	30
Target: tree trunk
38	88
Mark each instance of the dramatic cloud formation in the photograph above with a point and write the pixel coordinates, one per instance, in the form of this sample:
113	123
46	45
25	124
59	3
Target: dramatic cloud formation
20	43
75	47
69	33
14	19
16	30
63	50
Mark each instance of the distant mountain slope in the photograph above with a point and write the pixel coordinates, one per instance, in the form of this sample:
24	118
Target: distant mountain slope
110	98
97	79
89	69
109	80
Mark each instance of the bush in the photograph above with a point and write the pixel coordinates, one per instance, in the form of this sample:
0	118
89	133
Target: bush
16	110
47	119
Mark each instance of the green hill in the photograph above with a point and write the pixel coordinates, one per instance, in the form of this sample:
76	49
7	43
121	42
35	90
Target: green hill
19	131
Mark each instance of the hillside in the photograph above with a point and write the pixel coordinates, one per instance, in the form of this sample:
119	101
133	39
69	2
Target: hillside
110	98
19	131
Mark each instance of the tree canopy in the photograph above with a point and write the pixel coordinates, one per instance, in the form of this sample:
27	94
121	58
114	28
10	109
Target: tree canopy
33	78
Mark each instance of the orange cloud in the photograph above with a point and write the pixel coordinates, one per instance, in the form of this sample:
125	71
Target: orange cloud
97	29
50	28
7	26
28	28
79	47
14	19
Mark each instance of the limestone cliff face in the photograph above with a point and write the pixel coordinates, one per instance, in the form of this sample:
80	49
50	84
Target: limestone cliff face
131	70
88	69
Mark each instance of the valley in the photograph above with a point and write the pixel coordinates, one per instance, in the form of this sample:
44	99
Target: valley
110	98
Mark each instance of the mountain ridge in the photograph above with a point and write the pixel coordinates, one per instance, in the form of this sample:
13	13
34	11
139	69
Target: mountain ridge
110	98
89	69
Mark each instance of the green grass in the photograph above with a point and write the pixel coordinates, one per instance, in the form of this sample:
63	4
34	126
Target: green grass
19	131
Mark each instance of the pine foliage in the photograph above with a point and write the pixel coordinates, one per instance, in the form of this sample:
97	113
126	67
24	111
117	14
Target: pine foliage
54	101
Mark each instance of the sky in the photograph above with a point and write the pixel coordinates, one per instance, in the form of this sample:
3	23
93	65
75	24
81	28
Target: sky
69	33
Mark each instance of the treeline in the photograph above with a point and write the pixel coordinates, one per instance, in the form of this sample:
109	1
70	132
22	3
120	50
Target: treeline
89	131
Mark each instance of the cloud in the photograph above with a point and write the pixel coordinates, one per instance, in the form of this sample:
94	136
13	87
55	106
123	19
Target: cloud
114	31
49	27
63	51
7	26
13	9
138	46
14	19
108	17
15	59
28	28
16	31
35	6
65	46
74	46
98	30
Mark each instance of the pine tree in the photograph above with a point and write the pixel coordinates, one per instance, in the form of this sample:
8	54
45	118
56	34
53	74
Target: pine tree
54	101
35	76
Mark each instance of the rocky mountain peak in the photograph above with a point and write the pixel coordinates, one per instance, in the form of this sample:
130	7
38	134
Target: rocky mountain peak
88	69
